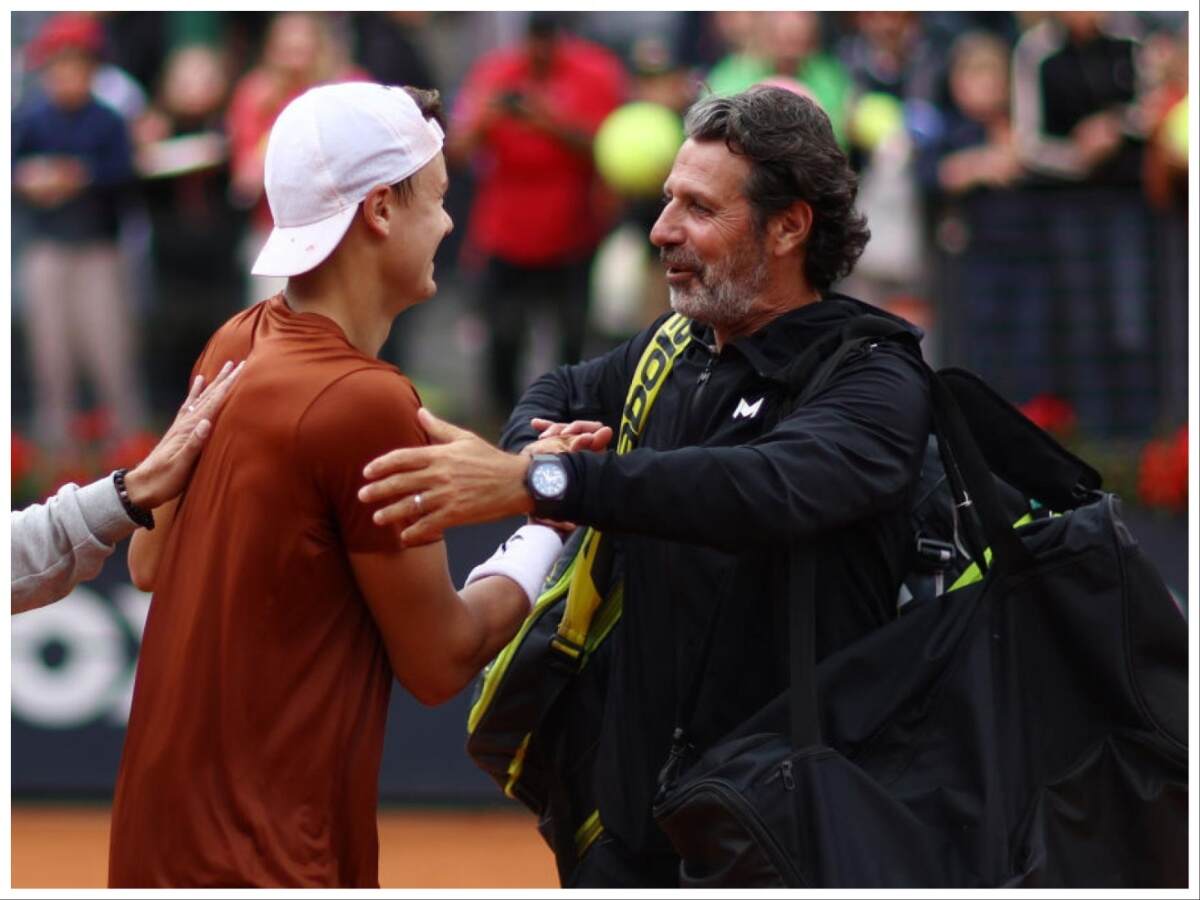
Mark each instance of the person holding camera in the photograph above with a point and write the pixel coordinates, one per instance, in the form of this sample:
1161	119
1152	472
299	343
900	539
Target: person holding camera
525	120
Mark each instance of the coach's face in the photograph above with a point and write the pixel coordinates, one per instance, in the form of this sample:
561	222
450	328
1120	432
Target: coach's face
715	261
424	222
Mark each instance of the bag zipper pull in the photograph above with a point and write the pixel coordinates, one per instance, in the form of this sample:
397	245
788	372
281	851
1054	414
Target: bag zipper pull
785	769
680	749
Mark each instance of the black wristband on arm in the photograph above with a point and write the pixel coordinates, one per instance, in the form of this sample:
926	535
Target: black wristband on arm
143	517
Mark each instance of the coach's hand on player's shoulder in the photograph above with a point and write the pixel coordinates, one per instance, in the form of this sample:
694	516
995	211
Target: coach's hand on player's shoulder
162	475
458	479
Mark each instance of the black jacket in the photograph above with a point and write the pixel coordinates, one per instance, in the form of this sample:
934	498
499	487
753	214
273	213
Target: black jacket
702	513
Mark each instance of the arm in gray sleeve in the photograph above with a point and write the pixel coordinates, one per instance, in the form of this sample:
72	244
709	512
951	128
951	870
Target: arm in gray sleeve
57	544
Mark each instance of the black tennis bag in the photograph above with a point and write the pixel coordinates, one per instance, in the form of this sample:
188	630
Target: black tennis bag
1026	728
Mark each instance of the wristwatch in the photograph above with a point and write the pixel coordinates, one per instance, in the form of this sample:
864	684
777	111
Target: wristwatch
546	478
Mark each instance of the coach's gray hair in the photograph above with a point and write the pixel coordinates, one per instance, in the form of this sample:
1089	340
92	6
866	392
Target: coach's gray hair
789	142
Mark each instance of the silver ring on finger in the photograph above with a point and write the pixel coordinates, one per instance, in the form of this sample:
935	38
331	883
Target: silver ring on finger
417	500
191	407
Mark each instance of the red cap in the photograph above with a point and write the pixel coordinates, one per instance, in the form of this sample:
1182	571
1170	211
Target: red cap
66	31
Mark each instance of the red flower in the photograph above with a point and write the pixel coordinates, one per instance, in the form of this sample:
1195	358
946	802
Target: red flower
93	426
1050	413
24	456
1163	472
131	451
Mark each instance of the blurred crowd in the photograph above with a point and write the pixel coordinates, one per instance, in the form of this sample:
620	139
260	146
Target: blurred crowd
1024	177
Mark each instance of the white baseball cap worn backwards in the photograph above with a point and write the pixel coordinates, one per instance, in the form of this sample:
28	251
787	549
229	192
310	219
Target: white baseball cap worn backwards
328	149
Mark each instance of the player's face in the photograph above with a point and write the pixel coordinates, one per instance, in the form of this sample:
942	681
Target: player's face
424	223
716	264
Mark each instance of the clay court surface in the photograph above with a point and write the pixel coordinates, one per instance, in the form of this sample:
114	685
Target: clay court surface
67	847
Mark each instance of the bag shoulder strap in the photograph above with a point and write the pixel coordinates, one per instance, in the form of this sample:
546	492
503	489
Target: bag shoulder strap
810	372
584	596
804	377
862	332
805	713
657	359
575	577
1016	449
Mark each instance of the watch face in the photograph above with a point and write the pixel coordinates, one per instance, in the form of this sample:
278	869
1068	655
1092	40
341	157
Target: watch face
548	480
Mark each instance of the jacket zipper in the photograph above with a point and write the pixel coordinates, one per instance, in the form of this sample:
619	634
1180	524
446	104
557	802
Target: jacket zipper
746	815
703	379
692	432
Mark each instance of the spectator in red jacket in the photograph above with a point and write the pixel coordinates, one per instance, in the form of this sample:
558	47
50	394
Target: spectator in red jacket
525	117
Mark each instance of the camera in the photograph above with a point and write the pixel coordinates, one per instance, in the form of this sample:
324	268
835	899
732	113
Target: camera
512	101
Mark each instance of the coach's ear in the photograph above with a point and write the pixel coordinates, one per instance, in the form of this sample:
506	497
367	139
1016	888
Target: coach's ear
379	210
788	229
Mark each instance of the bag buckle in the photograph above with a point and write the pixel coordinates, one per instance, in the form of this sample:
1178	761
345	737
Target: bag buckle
934	558
937	554
566	652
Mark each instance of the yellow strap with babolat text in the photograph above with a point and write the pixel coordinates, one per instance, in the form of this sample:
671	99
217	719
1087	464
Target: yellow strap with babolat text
583	597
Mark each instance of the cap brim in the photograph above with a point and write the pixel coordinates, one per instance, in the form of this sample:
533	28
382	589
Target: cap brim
296	250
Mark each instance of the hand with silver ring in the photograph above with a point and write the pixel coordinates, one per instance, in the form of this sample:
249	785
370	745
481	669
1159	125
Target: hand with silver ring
469	480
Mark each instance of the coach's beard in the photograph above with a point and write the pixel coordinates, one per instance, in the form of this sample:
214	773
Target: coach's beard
721	295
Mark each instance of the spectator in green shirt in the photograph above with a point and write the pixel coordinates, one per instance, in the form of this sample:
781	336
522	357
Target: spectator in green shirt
787	45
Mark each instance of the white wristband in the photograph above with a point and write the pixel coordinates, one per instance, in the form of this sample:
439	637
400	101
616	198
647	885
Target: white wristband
525	558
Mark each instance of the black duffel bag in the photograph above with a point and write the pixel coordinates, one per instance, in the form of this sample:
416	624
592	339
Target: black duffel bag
1028	728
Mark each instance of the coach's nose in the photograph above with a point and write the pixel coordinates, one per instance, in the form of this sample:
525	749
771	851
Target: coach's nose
666	231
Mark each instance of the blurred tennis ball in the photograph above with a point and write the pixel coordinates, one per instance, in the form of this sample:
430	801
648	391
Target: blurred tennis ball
635	147
877	116
1175	134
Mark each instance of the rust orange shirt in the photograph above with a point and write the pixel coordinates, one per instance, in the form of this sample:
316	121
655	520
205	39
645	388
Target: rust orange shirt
254	741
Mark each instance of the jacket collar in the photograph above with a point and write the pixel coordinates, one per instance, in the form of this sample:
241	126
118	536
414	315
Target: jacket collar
770	349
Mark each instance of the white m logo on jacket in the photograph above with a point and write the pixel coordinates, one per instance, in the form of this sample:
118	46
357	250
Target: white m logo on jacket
747	410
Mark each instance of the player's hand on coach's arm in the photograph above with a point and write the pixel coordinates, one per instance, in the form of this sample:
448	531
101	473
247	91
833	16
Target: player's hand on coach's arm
567	437
461	478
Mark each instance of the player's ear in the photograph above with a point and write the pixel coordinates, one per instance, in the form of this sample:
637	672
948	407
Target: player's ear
378	209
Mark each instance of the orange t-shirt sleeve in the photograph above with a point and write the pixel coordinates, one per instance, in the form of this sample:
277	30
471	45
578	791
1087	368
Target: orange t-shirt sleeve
361	416
230	343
